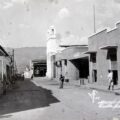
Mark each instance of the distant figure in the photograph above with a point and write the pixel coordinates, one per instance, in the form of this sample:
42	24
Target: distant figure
31	73
61	81
27	74
110	79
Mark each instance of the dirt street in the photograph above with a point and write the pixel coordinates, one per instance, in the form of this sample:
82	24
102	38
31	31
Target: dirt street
41	99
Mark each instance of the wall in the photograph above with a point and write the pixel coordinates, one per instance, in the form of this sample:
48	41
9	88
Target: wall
104	38
67	54
95	43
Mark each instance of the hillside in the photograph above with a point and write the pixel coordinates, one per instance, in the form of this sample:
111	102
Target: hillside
24	55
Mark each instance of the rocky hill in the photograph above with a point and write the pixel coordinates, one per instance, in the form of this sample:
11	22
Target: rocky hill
24	55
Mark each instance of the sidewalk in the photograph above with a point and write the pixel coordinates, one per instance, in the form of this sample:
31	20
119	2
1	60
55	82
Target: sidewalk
98	87
104	88
95	86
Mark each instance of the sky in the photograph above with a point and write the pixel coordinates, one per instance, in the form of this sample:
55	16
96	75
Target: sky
24	23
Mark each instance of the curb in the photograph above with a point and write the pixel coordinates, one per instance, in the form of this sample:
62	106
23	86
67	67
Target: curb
98	89
107	91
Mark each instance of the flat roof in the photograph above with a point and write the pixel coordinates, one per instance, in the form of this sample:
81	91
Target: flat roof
109	47
39	61
82	57
78	56
84	45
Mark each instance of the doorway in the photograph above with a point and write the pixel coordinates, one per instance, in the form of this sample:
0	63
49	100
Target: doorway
39	70
115	77
94	75
83	66
8	72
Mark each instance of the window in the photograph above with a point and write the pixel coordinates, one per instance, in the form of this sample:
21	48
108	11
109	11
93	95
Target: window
65	62
112	54
93	57
94	75
58	63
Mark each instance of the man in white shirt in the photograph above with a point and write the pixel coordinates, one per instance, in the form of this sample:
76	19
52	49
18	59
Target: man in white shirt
110	79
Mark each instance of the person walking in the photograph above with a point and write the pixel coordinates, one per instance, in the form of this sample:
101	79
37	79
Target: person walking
61	81
110	80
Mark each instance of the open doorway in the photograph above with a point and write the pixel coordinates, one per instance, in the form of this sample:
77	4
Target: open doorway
83	66
94	75
8	72
39	70
115	77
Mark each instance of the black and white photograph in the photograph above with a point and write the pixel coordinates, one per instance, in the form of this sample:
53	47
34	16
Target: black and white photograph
59	59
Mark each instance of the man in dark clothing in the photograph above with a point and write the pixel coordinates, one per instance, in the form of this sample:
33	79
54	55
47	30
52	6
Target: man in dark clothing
61	81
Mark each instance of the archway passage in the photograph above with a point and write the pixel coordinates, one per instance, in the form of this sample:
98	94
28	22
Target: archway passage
39	68
83	66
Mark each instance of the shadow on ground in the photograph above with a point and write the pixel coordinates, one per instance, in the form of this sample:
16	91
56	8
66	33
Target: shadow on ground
25	97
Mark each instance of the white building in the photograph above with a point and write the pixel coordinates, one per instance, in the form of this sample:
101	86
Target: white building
52	48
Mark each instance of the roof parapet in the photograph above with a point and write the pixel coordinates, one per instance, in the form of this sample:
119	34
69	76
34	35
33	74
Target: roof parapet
98	33
118	25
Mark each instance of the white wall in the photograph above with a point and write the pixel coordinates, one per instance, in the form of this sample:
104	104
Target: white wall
51	50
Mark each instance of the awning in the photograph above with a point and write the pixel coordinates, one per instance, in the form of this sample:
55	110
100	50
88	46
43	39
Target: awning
79	56
108	47
90	52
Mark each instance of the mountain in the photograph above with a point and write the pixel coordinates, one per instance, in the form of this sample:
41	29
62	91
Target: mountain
24	55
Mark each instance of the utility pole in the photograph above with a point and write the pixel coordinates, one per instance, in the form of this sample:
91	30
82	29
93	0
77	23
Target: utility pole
94	19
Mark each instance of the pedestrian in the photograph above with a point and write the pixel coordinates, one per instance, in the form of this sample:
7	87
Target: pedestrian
110	80
61	81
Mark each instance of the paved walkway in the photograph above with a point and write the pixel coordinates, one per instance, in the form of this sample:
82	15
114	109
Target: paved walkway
103	88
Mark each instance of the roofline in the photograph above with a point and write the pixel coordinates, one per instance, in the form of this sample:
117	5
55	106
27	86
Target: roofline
71	45
86	46
82	57
64	45
105	30
3	50
108	47
89	52
38	60
112	30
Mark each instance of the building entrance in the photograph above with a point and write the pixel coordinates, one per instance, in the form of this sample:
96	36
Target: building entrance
83	66
39	68
94	75
115	77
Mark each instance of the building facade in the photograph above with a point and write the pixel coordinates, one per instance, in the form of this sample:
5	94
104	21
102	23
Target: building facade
104	49
72	63
39	67
52	49
6	71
